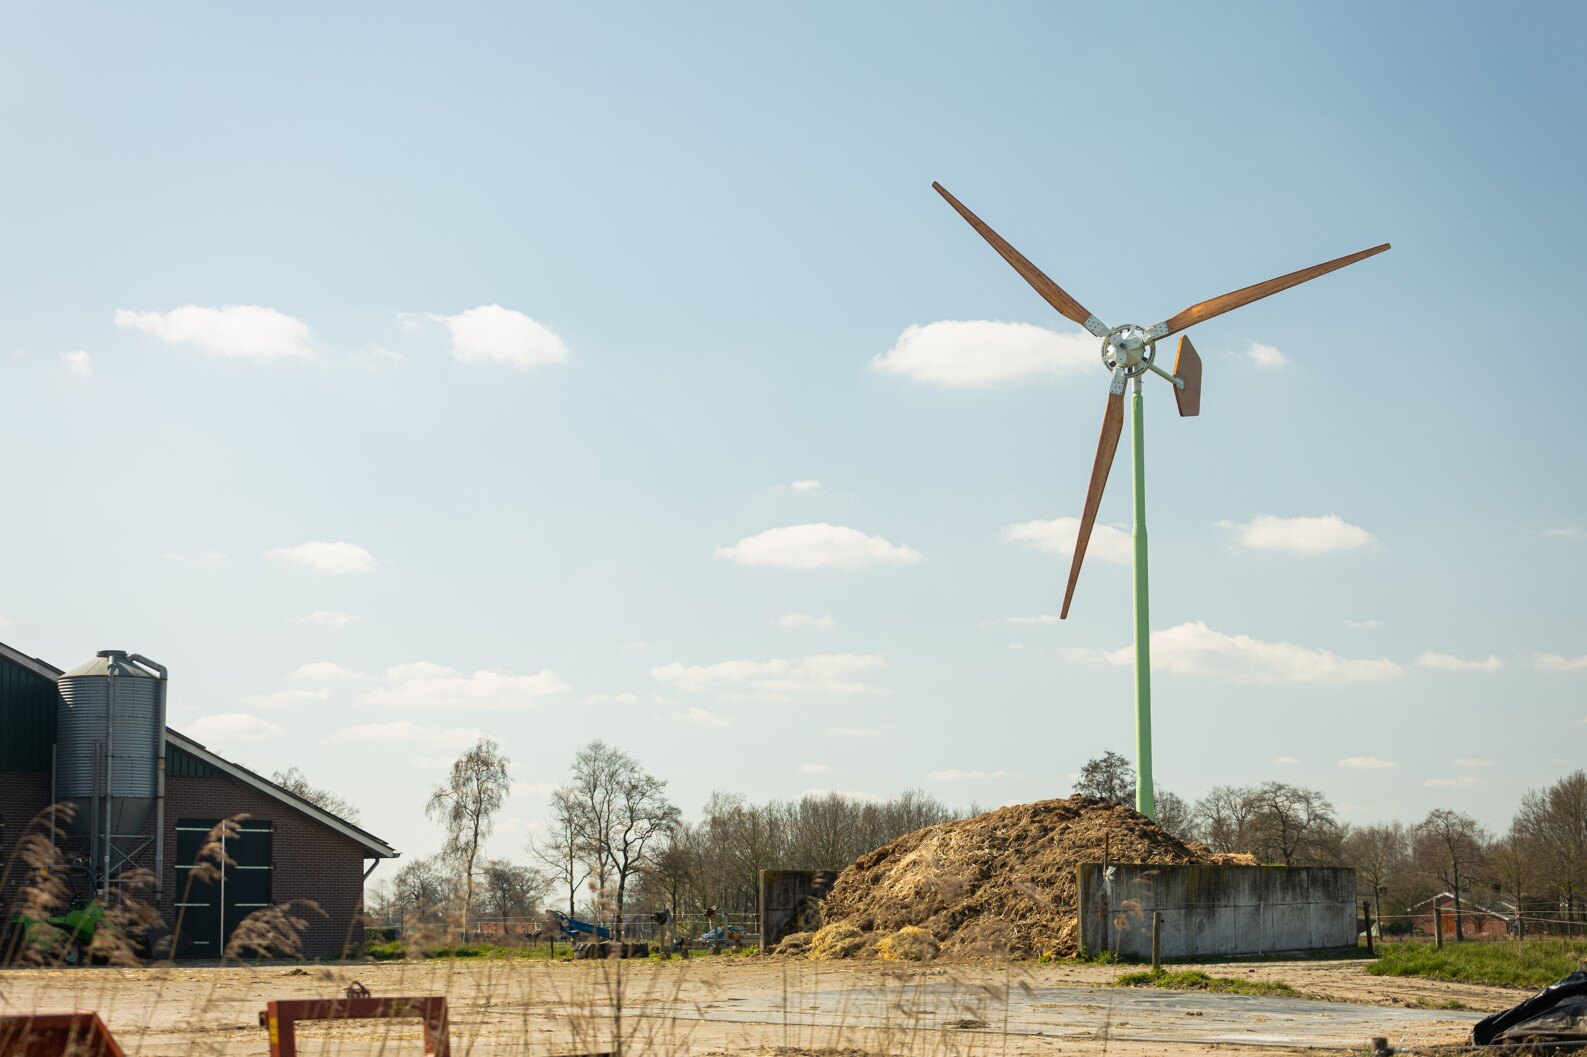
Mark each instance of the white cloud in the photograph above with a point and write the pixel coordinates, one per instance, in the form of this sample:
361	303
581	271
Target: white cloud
1039	618
401	731
1445	662
531	789
624	698
977	352
963	776
1360	625
777	679
1367	763
325	672
232	728
493	334
805	620
852	732
79	363
1058	536
1475	763
806	485
1299	535
1570	533
1553	662
242	331
699	717
815	768
817	546
422	684
1195	649
1285	761
1266	356
1464	781
332	618
285	697
335	558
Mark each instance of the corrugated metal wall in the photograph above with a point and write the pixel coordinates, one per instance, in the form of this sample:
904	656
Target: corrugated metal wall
179	764
27	718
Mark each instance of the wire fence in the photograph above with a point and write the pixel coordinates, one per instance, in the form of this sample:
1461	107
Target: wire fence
1478	923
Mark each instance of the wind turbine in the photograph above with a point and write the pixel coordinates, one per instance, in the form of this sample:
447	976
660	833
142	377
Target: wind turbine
1128	352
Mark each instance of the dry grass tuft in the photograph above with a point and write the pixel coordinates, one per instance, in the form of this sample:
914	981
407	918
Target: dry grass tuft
841	940
909	944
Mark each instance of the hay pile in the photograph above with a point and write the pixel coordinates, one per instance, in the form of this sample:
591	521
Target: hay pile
1000	884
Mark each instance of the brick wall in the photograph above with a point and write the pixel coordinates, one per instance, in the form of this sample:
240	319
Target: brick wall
23	794
312	861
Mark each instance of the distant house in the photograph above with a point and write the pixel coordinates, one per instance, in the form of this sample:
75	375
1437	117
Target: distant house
1482	919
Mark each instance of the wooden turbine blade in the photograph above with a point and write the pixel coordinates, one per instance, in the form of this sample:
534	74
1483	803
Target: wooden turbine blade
1112	427
1050	291
1217	306
1187	368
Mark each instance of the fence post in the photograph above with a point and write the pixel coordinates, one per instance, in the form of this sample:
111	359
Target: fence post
1438	926
1157	936
1366	916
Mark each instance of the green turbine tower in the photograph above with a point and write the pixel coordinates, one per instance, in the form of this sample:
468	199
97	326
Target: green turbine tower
1129	352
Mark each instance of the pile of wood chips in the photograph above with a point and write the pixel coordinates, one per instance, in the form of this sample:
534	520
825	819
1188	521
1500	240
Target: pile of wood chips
1002	884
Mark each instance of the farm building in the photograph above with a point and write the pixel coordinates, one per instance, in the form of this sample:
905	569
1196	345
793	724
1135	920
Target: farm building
144	796
1476	919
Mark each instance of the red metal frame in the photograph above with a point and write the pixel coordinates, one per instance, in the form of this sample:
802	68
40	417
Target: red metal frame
78	1034
282	1015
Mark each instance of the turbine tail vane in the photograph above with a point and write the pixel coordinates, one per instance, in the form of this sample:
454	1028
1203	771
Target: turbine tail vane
1187	368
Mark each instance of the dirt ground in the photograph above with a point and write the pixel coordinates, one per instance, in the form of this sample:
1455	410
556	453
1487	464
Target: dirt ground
782	1007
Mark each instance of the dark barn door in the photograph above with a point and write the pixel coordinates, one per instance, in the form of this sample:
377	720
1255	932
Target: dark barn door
209	907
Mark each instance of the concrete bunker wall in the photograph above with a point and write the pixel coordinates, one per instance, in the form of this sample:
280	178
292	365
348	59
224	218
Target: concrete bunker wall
1216	910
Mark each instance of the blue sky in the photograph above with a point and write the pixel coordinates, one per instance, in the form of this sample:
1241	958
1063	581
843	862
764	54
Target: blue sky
551	307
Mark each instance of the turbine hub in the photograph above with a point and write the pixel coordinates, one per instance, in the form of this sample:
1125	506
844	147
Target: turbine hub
1128	348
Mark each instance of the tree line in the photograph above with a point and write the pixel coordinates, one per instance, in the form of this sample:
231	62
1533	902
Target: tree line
1534	872
614	845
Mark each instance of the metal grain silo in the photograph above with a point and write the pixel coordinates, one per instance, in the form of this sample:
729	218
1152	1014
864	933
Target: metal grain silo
110	755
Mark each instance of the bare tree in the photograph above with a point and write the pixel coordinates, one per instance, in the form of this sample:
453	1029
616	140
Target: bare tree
1223	818
1380	855
422	890
296	782
1108	777
622	815
467	805
512	891
1553	822
1448	848
1513	863
560	850
1291	824
1174	815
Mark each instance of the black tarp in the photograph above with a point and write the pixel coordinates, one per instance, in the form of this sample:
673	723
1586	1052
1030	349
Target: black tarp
1556	1013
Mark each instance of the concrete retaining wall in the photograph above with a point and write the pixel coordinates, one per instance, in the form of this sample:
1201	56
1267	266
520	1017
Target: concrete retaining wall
1209	910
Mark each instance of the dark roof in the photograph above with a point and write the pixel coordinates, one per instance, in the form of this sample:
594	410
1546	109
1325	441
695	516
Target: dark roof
380	848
